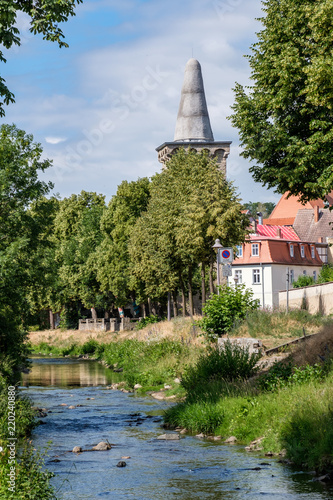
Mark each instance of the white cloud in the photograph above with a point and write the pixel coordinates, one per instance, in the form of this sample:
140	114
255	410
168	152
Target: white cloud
55	140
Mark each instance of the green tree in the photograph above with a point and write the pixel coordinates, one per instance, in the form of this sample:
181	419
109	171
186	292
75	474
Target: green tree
76	237
326	274
222	311
113	263
285	117
20	164
45	16
191	205
265	208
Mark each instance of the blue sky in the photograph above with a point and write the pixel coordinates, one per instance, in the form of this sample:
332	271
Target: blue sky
101	107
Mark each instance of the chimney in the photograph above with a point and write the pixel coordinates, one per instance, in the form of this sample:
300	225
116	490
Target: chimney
278	232
316	213
260	218
254	225
320	239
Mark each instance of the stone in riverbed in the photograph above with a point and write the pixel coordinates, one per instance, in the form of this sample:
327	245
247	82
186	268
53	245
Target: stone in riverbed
121	464
77	449
71	407
102	446
231	440
169	437
138	386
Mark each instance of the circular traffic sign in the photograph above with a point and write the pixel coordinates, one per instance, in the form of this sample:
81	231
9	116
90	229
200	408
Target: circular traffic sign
226	254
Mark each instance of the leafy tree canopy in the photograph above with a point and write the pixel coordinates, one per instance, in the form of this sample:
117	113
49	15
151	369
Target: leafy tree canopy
265	208
45	16
285	117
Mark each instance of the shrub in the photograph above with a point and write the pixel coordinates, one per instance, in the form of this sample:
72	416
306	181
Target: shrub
303	280
148	320
282	375
222	311
326	274
230	363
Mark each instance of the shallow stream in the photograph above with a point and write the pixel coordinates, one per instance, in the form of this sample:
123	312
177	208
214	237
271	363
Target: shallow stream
190	468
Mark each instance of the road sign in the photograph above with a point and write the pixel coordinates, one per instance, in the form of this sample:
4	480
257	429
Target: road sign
225	255
226	270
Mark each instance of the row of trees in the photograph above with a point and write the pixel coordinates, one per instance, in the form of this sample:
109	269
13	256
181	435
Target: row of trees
153	238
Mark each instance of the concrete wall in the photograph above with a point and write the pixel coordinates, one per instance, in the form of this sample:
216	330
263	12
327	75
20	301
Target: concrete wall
315	298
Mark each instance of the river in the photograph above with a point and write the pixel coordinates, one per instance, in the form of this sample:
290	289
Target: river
190	468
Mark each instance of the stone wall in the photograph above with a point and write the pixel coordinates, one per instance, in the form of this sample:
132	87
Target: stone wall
314	298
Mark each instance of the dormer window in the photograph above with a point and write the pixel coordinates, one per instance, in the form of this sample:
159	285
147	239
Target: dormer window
312	252
255	250
302	251
291	250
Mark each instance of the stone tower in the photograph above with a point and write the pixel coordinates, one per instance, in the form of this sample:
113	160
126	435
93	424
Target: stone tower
193	128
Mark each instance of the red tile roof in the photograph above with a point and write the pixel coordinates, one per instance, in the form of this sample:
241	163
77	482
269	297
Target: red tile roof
286	233
277	251
287	208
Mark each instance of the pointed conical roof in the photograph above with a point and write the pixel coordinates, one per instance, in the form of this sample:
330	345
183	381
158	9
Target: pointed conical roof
193	119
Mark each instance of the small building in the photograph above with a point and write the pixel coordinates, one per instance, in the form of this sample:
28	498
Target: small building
262	263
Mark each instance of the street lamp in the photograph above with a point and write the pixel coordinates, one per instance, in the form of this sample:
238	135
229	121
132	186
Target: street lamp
236	278
216	246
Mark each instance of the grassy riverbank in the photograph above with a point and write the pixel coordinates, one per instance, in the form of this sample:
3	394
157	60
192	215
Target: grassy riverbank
22	476
289	411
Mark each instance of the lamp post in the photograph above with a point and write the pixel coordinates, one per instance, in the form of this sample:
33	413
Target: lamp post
236	278
216	246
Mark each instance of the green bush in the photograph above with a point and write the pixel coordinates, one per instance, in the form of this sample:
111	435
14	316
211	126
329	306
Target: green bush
148	320
303	280
326	274
282	375
221	312
230	363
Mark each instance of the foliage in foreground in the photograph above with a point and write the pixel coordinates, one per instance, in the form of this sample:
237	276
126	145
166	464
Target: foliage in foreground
230	363
222	311
32	479
290	408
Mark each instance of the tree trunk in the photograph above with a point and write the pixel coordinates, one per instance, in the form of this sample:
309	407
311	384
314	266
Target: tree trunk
174	303
211	270
190	291
149	306
183	298
203	284
169	306
93	313
51	318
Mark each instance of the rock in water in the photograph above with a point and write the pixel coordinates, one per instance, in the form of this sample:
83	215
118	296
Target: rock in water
77	449
167	437
231	440
121	464
102	446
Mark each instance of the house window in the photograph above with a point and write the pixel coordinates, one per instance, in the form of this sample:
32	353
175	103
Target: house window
239	252
255	250
291	250
256	276
238	276
313	252
304	273
302	251
315	275
291	276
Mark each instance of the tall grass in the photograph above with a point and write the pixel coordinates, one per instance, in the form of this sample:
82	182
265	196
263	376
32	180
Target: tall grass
277	324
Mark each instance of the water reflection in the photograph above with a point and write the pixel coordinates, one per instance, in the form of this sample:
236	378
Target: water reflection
67	373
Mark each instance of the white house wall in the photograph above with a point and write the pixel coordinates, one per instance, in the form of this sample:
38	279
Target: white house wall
273	280
261	291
